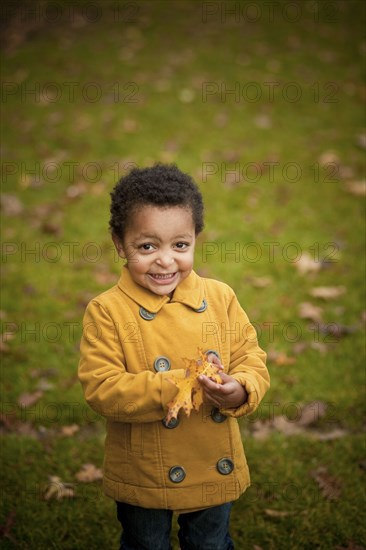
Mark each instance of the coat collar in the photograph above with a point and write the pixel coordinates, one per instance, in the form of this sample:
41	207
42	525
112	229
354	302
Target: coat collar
189	292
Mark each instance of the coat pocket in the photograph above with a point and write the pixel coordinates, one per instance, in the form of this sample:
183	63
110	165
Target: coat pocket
134	439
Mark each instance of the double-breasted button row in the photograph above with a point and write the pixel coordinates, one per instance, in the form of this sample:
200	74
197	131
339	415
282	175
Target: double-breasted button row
216	416
149	316
224	466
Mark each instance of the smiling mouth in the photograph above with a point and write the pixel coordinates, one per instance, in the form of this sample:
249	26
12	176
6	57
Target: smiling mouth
162	277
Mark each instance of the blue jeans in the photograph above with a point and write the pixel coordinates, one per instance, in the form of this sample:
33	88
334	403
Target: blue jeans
145	529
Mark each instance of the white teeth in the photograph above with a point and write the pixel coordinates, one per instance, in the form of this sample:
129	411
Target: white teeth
166	276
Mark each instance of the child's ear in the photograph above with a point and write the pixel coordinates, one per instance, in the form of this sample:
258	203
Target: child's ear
119	246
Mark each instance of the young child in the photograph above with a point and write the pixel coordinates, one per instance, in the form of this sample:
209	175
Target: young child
135	336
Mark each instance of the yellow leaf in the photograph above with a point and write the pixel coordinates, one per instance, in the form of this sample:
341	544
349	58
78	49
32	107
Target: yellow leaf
190	395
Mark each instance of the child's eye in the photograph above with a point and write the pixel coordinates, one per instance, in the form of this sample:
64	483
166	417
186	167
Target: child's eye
146	246
182	245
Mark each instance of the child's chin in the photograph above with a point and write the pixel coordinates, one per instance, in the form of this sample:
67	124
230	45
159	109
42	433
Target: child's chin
163	291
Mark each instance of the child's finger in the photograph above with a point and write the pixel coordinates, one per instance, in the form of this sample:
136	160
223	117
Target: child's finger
212	358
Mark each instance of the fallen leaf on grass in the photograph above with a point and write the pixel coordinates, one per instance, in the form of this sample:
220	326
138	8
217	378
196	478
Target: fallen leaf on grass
319	346
45	385
334	330
57	489
361	140
357	188
11	205
69	431
309	311
28	399
6	336
44	373
278	513
329	485
75	191
337	433
329	157
8	424
312	412
260	282
4	348
303	417
89	473
130	126
104	276
306	264
327	292
280	358
284	360
300	347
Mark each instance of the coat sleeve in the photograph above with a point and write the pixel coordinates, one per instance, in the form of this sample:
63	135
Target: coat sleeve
108	388
247	360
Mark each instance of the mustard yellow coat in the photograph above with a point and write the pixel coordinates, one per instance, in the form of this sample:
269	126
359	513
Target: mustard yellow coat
130	338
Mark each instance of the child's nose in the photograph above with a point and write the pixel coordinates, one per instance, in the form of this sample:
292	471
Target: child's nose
165	260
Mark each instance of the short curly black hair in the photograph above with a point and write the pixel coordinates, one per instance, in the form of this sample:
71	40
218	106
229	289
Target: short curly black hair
161	185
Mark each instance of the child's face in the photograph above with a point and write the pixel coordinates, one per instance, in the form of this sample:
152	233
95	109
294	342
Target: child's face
159	247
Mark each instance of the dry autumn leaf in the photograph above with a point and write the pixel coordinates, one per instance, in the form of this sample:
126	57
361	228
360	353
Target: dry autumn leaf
280	358
260	282
57	489
312	412
327	292
309	311
69	431
357	188
190	395
28	399
306	264
278	513
89	473
329	485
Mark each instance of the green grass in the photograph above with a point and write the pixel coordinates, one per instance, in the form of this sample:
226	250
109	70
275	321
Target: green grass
156	54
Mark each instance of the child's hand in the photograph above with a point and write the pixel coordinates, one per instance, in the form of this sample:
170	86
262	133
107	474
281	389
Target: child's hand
228	395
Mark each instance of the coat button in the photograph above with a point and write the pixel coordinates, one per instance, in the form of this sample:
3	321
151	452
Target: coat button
177	474
173	423
217	416
161	364
202	308
213	352
225	466
147	315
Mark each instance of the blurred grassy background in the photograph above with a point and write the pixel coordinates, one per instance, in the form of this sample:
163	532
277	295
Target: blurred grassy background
263	104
